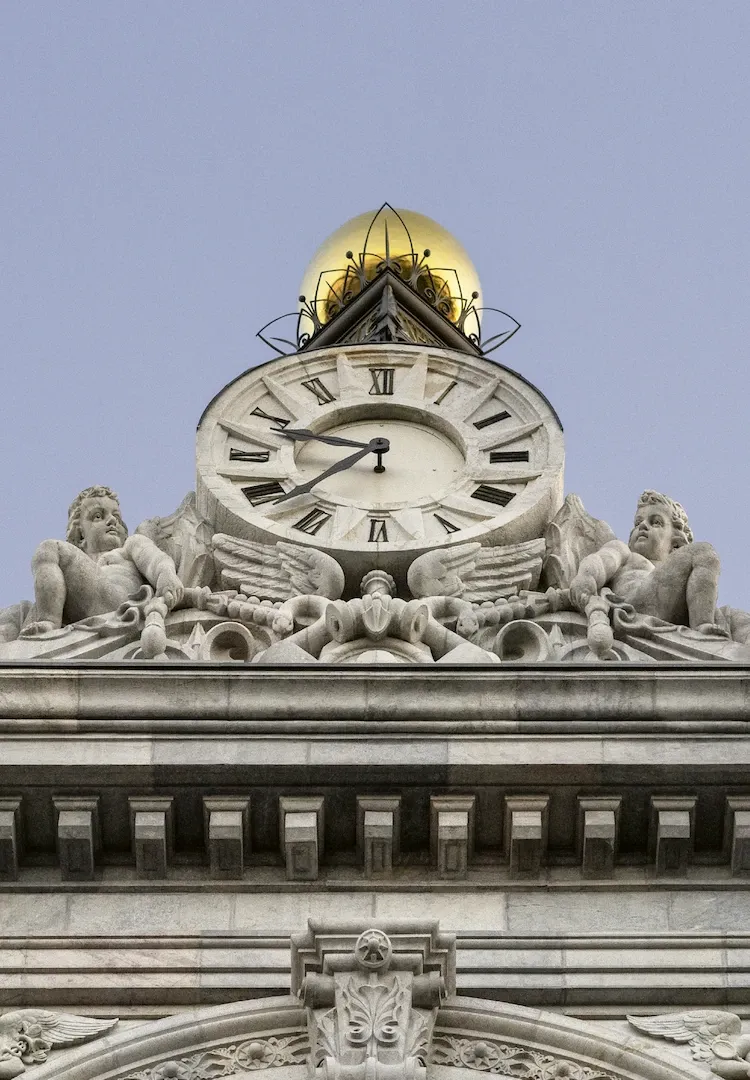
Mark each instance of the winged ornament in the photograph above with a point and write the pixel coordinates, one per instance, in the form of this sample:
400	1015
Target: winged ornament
708	1032
276	572
477	574
27	1036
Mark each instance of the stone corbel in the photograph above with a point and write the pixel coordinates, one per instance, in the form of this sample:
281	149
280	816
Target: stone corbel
11	837
371	998
78	836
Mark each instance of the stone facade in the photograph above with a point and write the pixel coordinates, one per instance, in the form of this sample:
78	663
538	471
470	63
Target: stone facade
379	763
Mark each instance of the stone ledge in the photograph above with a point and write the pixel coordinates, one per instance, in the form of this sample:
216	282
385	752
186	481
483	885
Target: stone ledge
508	697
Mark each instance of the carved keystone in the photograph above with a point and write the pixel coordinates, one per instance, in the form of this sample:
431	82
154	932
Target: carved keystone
671	833
451	834
598	835
301	827
378	833
526	833
152	835
78	836
10	838
226	826
737	834
371	997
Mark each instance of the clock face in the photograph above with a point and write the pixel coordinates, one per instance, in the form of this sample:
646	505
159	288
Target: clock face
476	453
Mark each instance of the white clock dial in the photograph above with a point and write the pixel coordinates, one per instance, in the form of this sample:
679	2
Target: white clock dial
476	453
420	463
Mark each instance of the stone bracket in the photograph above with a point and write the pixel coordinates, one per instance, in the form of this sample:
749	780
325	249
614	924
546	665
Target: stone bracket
526	829
78	835
226	828
672	833
152	835
301	828
737	834
452	834
378	833
11	837
597	835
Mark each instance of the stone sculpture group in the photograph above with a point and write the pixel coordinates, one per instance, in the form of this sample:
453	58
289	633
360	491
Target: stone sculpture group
175	590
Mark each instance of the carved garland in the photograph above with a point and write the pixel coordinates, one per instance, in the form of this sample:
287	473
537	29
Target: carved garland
506	1059
249	1056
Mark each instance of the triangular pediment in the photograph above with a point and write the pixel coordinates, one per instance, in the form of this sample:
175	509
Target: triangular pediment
387	311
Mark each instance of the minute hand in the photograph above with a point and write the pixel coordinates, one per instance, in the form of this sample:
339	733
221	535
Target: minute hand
370	448
296	434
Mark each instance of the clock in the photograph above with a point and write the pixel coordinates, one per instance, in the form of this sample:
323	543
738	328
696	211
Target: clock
378	453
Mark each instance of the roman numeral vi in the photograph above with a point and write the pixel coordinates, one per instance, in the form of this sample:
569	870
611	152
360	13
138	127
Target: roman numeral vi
378	531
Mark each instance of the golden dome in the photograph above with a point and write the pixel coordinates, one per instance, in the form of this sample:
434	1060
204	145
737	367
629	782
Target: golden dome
423	252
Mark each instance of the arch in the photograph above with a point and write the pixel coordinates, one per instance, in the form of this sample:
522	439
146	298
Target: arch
470	1036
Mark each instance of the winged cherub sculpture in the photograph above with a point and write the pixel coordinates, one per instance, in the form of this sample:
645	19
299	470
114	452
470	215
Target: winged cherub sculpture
97	567
661	572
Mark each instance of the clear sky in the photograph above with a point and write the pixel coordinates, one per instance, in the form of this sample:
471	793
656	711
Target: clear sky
168	168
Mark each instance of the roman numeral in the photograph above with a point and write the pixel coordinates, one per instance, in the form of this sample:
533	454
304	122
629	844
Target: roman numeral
263	493
378	531
248	455
493	495
492	419
445	392
382	380
312	522
496	456
278	420
320	390
447	525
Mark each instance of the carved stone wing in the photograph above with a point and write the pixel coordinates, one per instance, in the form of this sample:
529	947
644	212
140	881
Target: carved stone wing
186	538
699	1028
276	571
475	573
33	1032
570	537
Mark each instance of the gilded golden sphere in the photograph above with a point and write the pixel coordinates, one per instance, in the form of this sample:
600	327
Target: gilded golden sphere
421	251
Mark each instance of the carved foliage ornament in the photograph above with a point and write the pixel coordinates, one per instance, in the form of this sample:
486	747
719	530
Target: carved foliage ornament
368	1020
505	1059
248	1056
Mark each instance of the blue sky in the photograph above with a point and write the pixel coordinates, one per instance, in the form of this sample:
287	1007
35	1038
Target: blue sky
169	168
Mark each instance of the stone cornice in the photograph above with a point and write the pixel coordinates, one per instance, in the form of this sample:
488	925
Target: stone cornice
500	699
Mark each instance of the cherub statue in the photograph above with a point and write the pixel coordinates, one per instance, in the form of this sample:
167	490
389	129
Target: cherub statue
660	571
97	567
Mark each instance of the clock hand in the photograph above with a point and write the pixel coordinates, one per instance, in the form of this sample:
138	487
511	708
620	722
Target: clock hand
331	440
374	446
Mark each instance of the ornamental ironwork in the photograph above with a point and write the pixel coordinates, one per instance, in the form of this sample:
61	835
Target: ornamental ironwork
341	290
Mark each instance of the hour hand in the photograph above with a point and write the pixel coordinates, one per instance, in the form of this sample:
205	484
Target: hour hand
303	435
374	446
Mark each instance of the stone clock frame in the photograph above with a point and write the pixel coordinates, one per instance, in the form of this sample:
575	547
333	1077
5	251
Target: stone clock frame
482	409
